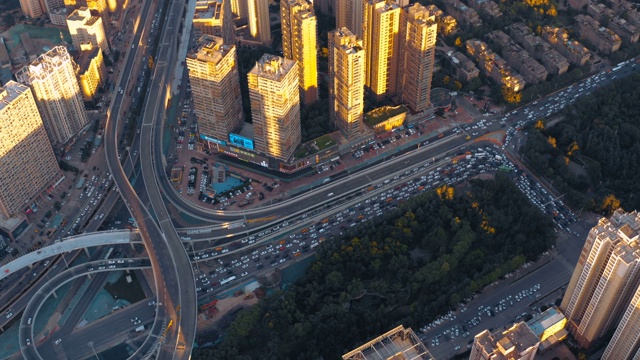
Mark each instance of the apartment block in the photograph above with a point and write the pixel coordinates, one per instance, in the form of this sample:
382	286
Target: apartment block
418	31
215	18
516	343
605	278
447	24
349	15
465	69
518	58
52	78
49	5
86	27
487	7
624	29
620	7
578	4
605	40
299	38
59	16
346	82
26	157
381	29
275	106
493	66
541	50
462	13
398	343
600	11
571	49
259	23
99	6
625	343
215	82
92	73
31	8
326	7
550	327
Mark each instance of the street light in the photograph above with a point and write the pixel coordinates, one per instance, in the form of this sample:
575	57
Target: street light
90	343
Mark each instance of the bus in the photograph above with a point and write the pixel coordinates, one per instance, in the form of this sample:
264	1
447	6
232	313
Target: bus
228	280
314	245
108	253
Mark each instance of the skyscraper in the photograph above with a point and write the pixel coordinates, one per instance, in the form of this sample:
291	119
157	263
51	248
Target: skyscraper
259	23
346	82
605	278
625	344
240	8
31	8
417	55
214	17
215	82
299	44
380	30
26	158
275	106
349	15
86	27
52	78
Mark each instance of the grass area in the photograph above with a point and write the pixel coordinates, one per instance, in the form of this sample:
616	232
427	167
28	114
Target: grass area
121	289
311	147
382	114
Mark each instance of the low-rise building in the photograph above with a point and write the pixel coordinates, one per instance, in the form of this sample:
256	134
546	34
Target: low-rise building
465	69
572	50
516	343
462	13
518	58
493	66
605	40
578	4
487	7
386	118
447	24
600	12
624	29
399	343
550	327
552	61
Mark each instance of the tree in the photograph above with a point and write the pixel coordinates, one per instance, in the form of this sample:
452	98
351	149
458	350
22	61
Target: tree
510	96
552	141
57	205
539	124
609	204
458	42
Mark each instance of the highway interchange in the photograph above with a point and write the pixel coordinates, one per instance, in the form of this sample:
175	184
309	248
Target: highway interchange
167	253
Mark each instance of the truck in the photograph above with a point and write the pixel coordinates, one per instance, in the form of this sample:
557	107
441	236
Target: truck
140	328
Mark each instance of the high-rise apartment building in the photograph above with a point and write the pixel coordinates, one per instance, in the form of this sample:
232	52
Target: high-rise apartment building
326	7
52	78
26	157
86	27
625	344
215	82
380	32
346	82
299	43
349	15
92	72
214	17
100	6
31	8
275	106
398	343
50	5
605	278
417	39
259	23
516	343
240	8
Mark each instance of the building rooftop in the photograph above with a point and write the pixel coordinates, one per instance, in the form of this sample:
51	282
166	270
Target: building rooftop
84	58
5	59
541	322
210	49
272	67
509	344
9	92
208	9
397	344
28	44
382	114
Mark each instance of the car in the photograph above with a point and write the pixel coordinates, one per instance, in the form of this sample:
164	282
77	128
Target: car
137	322
134	319
244	274
9	315
28	342
29	321
330	194
151	303
58	341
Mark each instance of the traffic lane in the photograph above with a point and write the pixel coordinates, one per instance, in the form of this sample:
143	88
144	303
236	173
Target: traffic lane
108	331
97	283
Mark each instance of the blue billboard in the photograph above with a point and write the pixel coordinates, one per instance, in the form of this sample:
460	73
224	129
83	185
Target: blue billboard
241	141
210	139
